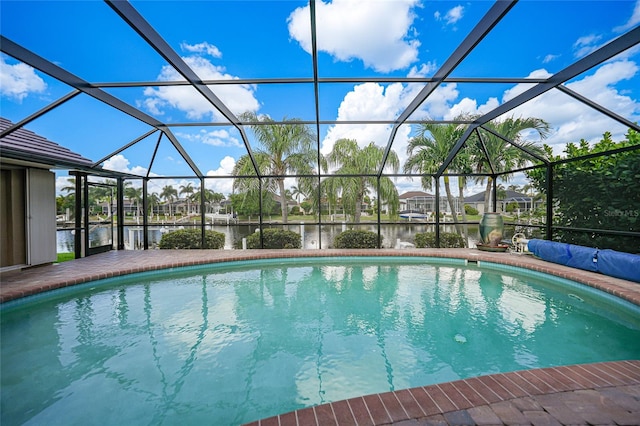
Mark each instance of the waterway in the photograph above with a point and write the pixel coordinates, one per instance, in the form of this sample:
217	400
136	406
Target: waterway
313	236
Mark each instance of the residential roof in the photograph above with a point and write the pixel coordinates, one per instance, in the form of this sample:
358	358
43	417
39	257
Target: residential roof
414	194
23	144
510	196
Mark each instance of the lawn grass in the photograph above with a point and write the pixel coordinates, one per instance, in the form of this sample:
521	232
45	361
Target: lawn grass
63	257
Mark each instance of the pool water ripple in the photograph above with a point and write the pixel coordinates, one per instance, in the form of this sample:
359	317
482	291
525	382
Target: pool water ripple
246	341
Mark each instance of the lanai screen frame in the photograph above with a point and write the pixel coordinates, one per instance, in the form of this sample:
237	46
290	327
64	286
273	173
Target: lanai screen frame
492	17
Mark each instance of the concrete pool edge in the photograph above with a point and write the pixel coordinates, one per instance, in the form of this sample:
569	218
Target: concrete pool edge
20	283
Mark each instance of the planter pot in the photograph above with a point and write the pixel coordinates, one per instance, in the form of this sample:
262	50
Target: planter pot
491	229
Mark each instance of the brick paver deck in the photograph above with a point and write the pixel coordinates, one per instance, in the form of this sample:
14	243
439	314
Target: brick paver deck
603	393
588	394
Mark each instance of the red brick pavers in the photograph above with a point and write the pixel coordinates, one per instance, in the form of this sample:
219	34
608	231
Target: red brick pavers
604	393
570	398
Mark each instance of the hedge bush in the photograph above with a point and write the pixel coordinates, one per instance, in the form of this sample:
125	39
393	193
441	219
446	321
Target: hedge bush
447	240
470	210
275	239
357	239
190	239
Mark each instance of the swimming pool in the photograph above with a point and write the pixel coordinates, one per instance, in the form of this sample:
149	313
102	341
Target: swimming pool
235	342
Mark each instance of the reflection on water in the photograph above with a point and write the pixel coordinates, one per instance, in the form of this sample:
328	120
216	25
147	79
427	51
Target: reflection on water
311	234
226	345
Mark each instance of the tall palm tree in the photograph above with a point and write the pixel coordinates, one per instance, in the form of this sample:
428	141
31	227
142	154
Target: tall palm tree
210	198
133	195
249	186
296	193
429	149
97	195
215	198
187	189
348	159
169	193
462	164
71	187
285	149
503	155
153	200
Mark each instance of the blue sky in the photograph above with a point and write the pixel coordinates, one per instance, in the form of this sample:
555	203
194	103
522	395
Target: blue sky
270	39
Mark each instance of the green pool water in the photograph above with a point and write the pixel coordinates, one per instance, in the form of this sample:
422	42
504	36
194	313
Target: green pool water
230	343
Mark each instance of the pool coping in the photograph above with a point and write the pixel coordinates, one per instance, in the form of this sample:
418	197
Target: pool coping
20	283
583	394
490	399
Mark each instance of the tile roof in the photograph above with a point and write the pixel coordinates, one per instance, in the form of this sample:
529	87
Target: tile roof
23	144
412	194
510	195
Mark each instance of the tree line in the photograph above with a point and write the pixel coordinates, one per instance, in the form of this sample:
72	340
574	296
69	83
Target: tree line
289	149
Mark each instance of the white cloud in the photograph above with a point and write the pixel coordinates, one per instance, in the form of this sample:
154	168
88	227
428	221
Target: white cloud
203	47
468	106
633	20
439	102
571	120
219	137
423	71
522	87
452	16
119	163
372	101
19	80
550	57
222	186
238	98
377	32
586	44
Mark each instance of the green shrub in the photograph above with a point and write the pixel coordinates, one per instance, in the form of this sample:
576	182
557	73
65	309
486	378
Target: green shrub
307	206
190	239
470	210
275	239
357	239
512	207
447	240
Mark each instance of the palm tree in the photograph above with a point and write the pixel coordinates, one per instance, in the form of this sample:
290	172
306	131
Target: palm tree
71	187
503	155
169	193
348	159
296	193
329	193
133	194
250	187
462	164
153	200
285	148
187	189
429	149
215	197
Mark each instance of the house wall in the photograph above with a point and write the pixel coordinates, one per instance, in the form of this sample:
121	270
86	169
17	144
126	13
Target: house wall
27	216
12	217
41	218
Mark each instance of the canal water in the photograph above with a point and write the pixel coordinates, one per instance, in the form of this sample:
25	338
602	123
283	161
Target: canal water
313	236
